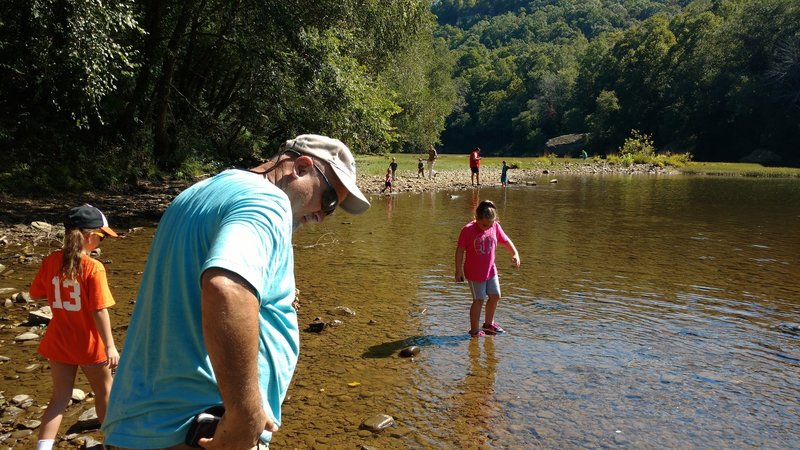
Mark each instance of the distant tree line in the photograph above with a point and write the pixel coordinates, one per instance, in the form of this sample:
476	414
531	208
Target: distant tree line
718	78
95	92
109	92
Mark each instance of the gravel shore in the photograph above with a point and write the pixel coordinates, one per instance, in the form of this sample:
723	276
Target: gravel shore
148	200
457	180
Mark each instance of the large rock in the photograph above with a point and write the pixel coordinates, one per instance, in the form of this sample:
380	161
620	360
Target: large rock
41	316
567	143
763	156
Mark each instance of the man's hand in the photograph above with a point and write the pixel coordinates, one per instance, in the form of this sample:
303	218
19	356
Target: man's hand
231	436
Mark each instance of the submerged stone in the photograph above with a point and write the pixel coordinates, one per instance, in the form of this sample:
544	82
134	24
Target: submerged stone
377	423
410	351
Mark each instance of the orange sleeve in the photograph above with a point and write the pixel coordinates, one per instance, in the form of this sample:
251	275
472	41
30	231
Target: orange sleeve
39	287
98	293
42	284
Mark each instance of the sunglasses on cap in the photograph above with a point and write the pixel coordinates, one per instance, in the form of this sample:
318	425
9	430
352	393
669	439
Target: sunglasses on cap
101	235
330	199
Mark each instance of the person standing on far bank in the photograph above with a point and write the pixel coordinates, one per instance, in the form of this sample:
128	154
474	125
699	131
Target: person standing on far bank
432	155
213	323
420	169
393	168
475	166
475	256
79	335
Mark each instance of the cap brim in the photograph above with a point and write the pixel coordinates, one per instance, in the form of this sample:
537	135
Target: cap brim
355	203
108	231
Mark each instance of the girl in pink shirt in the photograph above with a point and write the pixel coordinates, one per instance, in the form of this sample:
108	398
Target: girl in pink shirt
478	241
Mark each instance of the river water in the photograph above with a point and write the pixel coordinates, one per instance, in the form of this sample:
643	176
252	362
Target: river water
648	312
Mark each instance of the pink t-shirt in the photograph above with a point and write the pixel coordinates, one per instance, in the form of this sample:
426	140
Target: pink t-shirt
479	250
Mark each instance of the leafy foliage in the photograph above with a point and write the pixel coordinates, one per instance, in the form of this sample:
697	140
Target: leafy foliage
717	78
176	86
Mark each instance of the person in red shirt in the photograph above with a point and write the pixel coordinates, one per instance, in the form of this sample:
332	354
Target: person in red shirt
475	165
79	335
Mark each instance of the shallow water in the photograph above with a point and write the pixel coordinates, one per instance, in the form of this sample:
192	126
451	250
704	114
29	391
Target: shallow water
647	313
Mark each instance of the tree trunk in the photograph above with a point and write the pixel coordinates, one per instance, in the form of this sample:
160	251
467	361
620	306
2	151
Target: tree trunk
154	12
164	131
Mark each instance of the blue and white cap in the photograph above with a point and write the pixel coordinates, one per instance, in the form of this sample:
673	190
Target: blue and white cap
88	217
338	156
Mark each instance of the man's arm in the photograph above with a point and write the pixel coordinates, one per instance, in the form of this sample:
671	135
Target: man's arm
231	334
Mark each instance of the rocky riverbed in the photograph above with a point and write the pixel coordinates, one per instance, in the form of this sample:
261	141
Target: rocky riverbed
30	228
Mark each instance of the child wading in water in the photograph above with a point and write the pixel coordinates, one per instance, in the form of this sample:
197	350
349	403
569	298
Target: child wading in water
79	335
478	241
387	181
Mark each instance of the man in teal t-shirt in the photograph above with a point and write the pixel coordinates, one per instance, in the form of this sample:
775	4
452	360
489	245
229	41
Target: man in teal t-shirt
213	322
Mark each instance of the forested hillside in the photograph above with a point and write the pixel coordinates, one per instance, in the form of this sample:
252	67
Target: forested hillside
108	92
96	92
717	78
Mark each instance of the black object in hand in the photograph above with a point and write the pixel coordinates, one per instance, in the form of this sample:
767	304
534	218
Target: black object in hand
204	425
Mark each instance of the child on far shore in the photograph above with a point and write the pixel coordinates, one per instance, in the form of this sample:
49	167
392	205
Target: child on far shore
79	335
420	169
387	181
504	175
478	241
393	168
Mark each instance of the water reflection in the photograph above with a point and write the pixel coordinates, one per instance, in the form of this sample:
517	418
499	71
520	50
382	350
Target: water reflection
476	402
389	202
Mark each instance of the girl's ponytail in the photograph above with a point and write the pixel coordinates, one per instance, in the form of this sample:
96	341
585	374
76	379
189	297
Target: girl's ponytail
72	252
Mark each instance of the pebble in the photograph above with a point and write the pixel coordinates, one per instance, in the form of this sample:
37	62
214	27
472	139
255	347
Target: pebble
29	424
19	434
545	415
30	368
42	226
19	399
78	395
23	297
41	316
342	311
317	325
378	422
26	337
410	351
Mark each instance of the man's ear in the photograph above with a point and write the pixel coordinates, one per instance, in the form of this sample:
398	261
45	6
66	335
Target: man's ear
303	164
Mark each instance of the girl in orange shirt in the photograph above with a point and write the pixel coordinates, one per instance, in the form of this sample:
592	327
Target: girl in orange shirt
79	334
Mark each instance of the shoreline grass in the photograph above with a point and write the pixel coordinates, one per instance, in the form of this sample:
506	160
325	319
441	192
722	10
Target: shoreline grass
739	169
376	165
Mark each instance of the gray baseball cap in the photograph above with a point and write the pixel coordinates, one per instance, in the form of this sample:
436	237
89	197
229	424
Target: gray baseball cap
338	156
